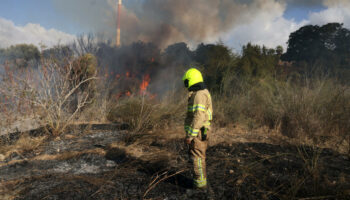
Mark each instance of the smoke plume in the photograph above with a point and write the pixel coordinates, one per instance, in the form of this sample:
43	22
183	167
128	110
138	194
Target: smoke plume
163	22
340	3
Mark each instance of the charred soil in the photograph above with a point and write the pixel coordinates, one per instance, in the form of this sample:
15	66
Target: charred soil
109	163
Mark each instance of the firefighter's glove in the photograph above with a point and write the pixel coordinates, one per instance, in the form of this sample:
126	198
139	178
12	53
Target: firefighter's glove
204	132
188	140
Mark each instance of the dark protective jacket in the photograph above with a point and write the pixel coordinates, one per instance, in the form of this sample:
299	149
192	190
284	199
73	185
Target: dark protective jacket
199	110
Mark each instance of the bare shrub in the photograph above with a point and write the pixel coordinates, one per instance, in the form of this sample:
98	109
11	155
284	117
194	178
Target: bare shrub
14	106
51	89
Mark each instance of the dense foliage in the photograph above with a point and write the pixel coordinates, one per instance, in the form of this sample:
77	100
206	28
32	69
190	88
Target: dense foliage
325	48
21	55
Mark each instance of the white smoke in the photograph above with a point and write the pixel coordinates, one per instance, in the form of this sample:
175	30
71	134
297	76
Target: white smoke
270	28
168	21
337	11
267	28
10	34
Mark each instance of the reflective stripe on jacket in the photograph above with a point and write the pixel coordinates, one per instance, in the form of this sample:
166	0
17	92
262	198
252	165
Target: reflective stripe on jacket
199	112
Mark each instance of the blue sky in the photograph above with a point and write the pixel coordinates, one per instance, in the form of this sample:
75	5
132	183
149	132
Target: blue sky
300	13
42	12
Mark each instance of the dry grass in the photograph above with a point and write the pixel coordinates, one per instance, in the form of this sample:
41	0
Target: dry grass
70	154
318	110
23	145
141	148
144	114
8	189
59	156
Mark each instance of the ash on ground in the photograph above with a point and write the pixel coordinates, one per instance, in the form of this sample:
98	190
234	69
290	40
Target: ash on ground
87	166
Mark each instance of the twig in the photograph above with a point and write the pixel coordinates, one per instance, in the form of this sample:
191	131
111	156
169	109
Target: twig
317	198
155	179
160	180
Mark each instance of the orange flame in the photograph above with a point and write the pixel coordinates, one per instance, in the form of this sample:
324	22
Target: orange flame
142	87
153	96
145	82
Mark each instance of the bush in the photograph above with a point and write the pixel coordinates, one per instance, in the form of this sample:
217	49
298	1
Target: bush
49	90
134	111
143	113
317	108
20	54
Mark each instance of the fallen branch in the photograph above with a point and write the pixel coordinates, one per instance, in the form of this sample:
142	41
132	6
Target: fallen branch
317	198
154	182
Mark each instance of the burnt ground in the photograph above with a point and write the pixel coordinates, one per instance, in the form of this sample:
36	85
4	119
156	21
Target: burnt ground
110	163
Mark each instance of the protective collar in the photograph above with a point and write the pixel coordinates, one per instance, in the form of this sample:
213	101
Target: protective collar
197	87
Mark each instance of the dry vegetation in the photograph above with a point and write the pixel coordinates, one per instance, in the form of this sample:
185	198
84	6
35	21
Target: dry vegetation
23	145
271	137
317	111
143	114
314	113
53	93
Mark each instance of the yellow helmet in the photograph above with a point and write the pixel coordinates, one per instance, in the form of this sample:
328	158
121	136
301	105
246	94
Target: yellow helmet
193	76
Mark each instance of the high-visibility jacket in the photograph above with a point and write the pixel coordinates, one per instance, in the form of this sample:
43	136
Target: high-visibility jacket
199	112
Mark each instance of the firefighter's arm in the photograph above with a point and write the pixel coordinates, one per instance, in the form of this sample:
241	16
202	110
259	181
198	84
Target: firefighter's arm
199	115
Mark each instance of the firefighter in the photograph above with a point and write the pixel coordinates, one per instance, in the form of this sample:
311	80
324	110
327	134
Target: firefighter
197	124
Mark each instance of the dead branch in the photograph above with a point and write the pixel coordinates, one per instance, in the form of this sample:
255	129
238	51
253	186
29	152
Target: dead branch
160	179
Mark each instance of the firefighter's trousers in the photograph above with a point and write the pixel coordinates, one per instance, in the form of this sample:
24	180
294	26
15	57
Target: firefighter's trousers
197	151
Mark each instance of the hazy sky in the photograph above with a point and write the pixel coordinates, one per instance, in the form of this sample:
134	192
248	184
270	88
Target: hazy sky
266	22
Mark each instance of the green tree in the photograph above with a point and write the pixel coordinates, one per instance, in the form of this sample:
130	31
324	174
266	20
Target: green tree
178	54
21	54
327	46
216	60
59	53
279	50
257	61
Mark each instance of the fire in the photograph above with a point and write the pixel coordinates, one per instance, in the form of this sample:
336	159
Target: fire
145	82
153	96
127	91
121	94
